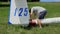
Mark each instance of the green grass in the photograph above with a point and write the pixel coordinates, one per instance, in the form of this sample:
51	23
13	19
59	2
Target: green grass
53	11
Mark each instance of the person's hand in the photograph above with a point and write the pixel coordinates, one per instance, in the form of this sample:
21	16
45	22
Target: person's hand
33	21
30	14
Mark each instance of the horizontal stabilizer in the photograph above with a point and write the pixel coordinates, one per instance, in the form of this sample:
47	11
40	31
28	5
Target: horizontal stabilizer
50	20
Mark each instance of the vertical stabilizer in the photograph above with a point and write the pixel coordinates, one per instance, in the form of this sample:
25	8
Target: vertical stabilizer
19	13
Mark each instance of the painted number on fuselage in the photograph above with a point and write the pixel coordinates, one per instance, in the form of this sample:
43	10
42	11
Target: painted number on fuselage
21	10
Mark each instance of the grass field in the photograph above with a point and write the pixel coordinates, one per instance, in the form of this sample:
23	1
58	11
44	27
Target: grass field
53	11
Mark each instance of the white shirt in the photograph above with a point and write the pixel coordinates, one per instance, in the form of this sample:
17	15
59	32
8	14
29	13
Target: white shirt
38	8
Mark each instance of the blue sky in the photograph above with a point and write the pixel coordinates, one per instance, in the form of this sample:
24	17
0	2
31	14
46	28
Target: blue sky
50	0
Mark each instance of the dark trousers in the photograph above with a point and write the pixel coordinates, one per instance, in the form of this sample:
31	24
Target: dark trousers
42	14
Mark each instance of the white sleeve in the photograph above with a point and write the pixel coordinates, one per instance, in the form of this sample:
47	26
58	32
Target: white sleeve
31	10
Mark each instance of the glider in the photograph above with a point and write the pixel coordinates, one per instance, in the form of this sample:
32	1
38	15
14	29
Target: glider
19	14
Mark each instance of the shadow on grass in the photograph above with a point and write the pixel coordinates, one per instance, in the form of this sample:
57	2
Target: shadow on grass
43	25
4	5
21	27
30	27
27	28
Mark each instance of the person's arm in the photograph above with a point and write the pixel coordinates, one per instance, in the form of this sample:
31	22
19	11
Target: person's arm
39	23
31	11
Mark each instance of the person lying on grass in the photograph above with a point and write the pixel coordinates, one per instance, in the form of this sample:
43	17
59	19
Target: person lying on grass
36	14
